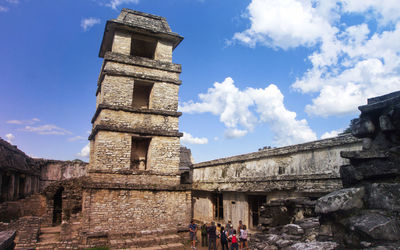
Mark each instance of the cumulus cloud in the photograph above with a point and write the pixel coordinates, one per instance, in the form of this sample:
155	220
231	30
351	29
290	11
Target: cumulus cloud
47	129
88	23
85	151
330	134
189	139
9	137
233	106
114	4
284	24
350	62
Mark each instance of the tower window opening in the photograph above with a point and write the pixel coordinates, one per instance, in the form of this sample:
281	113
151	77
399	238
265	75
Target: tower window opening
140	147
143	47
141	94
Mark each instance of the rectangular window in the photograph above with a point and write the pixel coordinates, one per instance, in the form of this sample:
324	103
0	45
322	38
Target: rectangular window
141	94
140	147
143	47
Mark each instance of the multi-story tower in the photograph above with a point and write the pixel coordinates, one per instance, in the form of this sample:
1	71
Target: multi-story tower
134	183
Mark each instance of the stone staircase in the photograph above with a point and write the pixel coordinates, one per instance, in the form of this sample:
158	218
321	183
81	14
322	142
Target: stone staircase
150	242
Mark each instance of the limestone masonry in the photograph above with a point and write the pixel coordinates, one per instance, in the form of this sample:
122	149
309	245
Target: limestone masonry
133	177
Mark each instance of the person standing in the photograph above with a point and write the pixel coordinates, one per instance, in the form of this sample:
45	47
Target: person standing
234	241
192	233
243	237
218	235
224	239
204	238
229	227
212	236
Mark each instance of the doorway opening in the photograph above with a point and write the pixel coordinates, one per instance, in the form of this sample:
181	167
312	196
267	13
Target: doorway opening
255	203
21	187
218	203
57	207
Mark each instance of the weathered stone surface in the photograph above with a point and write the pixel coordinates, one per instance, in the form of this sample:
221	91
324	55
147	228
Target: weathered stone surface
308	167
7	239
384	196
362	127
369	170
341	200
313	246
293	229
376	225
283	243
132	210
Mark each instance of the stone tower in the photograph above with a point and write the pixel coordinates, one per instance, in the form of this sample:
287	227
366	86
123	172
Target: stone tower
134	184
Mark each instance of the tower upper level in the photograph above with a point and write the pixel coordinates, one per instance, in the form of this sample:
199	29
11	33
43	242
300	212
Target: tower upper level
140	34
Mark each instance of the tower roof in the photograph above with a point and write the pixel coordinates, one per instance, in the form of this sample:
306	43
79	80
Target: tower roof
140	23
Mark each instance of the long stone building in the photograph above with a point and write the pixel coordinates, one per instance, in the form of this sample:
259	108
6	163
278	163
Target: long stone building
287	179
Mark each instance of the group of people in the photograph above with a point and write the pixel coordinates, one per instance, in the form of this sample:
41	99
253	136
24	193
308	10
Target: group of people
215	236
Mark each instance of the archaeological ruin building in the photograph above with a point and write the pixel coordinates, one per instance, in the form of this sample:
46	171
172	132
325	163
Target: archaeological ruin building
140	176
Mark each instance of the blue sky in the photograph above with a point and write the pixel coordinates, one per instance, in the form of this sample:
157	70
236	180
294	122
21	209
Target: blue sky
255	73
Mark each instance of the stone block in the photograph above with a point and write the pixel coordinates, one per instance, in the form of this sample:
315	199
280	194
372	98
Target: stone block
384	196
341	200
375	224
313	246
293	229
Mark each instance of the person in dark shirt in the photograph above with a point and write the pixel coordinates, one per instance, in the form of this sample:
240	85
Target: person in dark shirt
204	238
212	236
224	239
192	233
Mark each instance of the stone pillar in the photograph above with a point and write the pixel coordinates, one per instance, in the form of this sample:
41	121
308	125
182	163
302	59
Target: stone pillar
122	43
163	51
11	187
16	186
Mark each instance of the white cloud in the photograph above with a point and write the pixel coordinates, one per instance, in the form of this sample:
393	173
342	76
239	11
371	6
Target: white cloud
233	108
234	133
4	9
23	122
331	134
9	137
85	151
350	62
189	139
114	4
77	138
47	129
88	23
13	1
284	24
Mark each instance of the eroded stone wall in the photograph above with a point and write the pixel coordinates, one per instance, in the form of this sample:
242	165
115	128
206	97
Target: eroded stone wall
53	171
308	167
126	211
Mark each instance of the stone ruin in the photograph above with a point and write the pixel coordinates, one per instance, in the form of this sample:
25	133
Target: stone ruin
365	214
139	175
